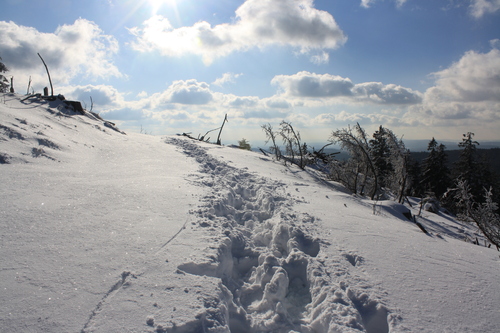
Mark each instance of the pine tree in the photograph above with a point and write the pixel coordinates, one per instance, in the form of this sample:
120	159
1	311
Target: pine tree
471	168
435	174
380	152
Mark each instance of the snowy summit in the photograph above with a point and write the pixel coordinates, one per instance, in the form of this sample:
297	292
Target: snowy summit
106	231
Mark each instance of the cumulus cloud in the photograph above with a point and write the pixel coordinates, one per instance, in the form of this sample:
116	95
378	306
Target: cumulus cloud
311	85
226	78
79	48
278	103
386	94
240	101
468	89
102	95
475	77
479	8
306	84
258	23
189	92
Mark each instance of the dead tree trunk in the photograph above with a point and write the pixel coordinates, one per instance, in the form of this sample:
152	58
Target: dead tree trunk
48	74
218	138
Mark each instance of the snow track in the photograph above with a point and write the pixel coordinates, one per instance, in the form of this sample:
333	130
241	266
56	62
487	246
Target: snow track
267	259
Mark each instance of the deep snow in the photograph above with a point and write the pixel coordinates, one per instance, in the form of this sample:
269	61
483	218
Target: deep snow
109	232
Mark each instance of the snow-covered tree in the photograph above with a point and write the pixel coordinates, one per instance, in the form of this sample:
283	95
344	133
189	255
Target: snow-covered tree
4	83
360	164
399	180
271	137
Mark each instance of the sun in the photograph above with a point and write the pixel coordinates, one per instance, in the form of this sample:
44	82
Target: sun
157	4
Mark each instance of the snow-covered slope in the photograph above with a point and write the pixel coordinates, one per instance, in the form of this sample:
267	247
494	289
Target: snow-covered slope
109	232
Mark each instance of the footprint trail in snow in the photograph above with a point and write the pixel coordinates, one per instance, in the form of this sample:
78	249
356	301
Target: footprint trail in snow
266	256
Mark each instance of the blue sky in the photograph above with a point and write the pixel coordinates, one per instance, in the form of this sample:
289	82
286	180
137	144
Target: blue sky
422	68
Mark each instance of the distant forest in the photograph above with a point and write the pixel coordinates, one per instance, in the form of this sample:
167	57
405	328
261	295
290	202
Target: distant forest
490	156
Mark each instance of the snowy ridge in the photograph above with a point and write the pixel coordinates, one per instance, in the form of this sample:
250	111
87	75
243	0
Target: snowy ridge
41	136
268	259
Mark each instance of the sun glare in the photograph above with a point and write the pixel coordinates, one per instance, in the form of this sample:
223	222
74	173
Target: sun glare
157	4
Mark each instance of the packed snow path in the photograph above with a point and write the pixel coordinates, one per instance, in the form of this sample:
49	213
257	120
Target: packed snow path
265	255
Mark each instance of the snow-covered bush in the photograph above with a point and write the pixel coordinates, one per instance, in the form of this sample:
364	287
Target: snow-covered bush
483	214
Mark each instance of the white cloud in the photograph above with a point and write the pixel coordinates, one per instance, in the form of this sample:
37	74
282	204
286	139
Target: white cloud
277	103
321	58
80	48
102	95
475	77
225	78
233	101
326	86
258	23
306	84
189	92
368	3
386	94
479	8
495	43
466	93
124	114
344	118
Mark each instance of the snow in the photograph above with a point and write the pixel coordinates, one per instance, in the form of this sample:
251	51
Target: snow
103	231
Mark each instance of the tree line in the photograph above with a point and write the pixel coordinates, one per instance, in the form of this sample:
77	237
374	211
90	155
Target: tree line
381	167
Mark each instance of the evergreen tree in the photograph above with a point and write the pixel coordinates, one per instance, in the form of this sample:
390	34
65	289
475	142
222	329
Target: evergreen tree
435	174
471	168
244	144
415	171
380	152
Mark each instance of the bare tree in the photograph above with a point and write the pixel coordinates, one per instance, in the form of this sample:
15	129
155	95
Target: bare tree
293	145
355	141
400	179
271	137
